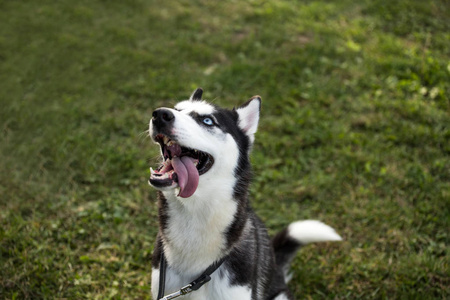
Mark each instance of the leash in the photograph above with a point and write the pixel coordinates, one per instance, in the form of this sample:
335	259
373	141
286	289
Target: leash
193	286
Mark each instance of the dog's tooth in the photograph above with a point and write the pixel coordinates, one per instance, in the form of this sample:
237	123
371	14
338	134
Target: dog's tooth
152	171
166	139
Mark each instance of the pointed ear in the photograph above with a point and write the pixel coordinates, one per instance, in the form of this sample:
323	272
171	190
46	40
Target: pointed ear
197	94
249	116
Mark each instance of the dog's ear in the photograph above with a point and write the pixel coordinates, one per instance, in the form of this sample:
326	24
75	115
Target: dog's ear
197	94
249	116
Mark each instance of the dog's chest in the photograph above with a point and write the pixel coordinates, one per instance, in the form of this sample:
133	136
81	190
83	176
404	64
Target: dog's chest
219	288
195	238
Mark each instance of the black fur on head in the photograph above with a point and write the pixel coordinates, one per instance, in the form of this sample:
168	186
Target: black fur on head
228	120
197	94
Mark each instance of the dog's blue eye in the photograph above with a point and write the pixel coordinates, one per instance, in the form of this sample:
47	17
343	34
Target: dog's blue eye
208	121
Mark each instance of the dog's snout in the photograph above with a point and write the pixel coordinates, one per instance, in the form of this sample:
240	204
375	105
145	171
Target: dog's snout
162	116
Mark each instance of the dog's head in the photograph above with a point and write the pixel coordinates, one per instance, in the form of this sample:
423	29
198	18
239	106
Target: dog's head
204	148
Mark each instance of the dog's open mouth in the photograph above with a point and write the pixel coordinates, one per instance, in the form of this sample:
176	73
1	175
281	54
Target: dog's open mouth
181	165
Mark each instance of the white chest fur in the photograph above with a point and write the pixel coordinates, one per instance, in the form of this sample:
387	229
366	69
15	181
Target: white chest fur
194	237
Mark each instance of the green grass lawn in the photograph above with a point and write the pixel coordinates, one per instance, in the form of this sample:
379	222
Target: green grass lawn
355	131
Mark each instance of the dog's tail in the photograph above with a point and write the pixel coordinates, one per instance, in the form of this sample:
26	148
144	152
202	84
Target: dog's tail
297	234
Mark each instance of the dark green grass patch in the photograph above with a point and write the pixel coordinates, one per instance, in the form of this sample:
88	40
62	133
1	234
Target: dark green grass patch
355	132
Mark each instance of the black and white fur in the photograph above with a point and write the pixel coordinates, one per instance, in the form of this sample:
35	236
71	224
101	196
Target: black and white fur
217	220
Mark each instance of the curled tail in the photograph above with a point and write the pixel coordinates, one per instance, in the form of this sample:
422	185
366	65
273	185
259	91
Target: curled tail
297	234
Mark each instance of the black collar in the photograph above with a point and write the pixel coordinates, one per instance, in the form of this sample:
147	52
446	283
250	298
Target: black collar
193	286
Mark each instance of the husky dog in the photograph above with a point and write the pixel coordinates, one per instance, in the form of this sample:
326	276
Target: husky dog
204	211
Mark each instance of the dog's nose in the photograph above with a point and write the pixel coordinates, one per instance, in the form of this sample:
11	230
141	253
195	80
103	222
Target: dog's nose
162	116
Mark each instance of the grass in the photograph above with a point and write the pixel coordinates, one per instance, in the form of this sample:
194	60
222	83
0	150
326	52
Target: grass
355	131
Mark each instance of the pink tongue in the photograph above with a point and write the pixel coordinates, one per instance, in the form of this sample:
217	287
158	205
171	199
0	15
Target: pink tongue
187	175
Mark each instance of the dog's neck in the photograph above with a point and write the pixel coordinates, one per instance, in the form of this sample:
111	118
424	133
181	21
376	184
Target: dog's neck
194	230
